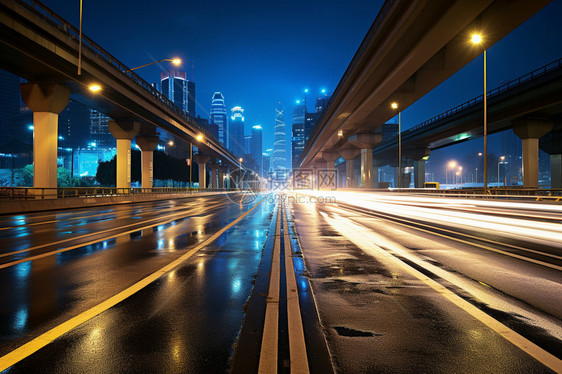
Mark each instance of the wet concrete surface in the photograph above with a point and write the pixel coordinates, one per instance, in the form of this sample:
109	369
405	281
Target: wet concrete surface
186	321
380	319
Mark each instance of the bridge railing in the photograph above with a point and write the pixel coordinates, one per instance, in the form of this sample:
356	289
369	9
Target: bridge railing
28	193
60	23
492	93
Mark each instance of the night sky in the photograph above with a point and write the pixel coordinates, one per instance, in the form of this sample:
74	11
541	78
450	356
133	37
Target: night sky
259	53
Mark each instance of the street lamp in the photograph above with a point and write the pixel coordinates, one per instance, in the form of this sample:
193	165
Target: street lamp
395	106
451	165
176	61
500	161
460	171
477	40
198	138
94	87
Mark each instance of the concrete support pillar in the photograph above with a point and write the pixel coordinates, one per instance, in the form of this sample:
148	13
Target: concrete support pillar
530	162
123	131
214	176
367	168
366	141
419	173
349	153
46	101
147	144
221	177
530	130
202	160
556	171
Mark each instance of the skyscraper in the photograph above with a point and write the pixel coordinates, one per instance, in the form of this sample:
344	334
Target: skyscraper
175	86
236	131
298	140
218	116
256	147
279	159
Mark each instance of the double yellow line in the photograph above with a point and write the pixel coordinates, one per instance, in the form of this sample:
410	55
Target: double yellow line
270	338
41	341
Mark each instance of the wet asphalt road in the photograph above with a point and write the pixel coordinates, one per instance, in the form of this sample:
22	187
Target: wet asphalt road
207	314
186	321
379	318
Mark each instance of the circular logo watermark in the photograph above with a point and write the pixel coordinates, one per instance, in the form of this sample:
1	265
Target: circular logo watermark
246	183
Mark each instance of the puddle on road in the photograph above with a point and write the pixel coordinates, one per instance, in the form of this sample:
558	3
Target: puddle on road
346	331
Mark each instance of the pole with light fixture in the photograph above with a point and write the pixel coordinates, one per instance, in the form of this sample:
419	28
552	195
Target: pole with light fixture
80	43
477	39
176	61
395	106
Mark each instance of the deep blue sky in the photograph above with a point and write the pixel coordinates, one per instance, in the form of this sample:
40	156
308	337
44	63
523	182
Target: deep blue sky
259	53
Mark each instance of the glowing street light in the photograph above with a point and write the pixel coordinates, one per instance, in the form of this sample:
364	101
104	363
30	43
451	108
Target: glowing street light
94	87
451	165
500	161
476	39
394	105
171	143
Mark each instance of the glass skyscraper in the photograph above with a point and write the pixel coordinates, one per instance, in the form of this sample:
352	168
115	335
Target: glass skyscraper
236	131
279	159
175	86
298	140
218	116
256	147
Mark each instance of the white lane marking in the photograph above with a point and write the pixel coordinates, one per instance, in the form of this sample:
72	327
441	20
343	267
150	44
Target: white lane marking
297	344
270	338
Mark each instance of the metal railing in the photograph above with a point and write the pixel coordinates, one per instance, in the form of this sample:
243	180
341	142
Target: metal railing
554	194
492	93
41	10
29	193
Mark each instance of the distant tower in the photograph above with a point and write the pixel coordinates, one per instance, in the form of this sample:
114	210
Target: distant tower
256	147
218	116
279	159
236	131
174	85
298	140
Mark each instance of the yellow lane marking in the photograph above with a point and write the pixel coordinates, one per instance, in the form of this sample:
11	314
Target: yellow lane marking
519	341
556	267
270	338
297	344
41	341
90	242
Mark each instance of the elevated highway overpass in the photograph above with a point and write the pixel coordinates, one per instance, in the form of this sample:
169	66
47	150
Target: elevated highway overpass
411	48
41	47
534	98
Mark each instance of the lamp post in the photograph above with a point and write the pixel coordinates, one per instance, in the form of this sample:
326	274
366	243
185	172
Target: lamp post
477	39
199	138
176	61
395	106
240	182
500	161
460	172
452	165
